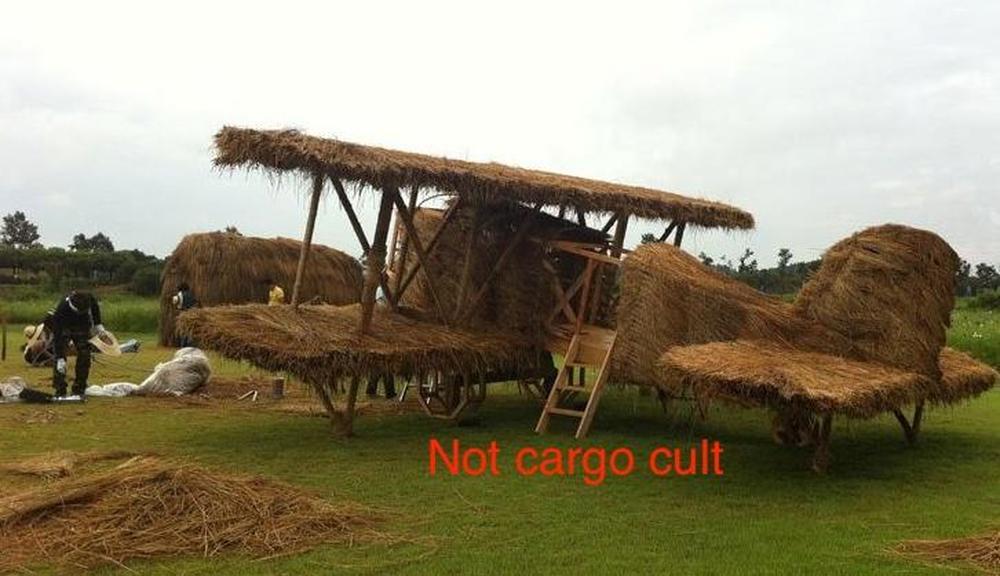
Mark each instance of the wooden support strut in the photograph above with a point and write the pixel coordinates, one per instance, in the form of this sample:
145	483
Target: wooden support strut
375	260
448	217
418	248
666	233
911	428
526	224
345	203
317	191
679	236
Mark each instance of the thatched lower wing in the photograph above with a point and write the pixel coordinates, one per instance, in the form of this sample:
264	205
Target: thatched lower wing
775	376
320	344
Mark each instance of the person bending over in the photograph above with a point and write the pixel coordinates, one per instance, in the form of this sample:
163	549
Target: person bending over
75	317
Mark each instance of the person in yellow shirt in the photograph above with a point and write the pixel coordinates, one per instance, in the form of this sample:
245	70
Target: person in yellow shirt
275	294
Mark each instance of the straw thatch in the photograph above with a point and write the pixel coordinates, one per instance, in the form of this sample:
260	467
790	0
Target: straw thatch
320	344
981	552
866	334
148	508
520	296
224	268
290	150
776	376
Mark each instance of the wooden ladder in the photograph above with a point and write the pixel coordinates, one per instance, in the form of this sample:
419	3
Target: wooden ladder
590	346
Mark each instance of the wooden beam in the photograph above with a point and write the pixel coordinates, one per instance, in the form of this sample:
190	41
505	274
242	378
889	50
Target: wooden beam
584	293
666	233
611	222
581	218
317	191
679	236
561	298
526	224
448	217
418	248
375	259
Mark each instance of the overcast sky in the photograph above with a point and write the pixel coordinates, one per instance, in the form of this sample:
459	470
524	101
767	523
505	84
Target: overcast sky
820	118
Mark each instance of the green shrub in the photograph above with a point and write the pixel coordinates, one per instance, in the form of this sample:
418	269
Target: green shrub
989	300
146	281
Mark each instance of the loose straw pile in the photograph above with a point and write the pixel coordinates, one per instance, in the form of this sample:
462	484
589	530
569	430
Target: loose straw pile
148	508
983	552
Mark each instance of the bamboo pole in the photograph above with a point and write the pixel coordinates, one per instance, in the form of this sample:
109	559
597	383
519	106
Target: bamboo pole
307	239
345	203
375	260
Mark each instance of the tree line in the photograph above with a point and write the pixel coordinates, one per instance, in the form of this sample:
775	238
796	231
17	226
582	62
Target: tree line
87	261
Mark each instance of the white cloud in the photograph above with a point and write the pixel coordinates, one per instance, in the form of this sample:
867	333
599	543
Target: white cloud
818	118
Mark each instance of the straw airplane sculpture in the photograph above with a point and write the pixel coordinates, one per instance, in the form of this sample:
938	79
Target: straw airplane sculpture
487	289
485	266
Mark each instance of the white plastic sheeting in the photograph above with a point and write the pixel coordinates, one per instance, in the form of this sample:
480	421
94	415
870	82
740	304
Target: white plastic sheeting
188	371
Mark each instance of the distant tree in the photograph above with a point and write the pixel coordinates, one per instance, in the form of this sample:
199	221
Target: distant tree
706	259
784	257
234	230
19	232
987	277
96	243
963	278
747	263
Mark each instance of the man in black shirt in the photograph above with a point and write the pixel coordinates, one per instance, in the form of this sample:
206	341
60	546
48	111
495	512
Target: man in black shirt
72	321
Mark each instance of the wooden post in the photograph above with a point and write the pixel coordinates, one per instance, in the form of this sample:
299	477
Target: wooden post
346	425
317	191
821	459
375	260
3	347
679	235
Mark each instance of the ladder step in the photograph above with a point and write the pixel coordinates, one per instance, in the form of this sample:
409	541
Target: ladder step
578	364
574	388
566	412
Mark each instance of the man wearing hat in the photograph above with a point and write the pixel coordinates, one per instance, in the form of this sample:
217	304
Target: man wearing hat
72	321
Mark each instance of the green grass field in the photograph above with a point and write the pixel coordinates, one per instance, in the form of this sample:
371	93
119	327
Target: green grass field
767	514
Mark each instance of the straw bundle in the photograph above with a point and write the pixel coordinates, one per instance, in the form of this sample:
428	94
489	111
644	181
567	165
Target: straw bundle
148	508
278	151
982	552
224	268
889	291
